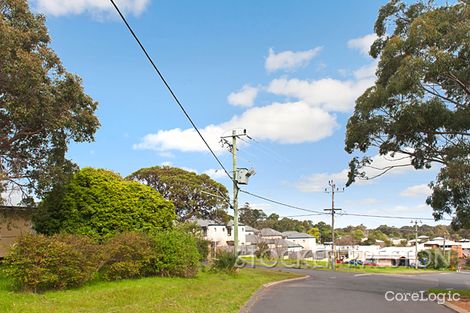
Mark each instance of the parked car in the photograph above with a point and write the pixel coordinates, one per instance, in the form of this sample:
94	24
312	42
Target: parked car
370	263
355	262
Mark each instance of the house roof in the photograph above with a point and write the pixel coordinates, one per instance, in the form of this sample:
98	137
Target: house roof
204	223
252	238
230	223
248	228
296	234
267	232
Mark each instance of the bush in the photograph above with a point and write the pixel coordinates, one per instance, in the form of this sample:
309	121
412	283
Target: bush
99	203
225	261
176	254
263	250
38	263
128	255
203	248
433	258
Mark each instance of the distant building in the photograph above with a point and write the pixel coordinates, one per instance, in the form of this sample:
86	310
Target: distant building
15	221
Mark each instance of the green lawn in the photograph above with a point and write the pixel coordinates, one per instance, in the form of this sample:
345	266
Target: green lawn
324	265
208	292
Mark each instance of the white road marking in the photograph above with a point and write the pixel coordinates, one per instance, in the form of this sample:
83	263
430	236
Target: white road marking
365	274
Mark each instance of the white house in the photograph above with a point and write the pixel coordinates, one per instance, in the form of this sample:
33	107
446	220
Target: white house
220	234
308	242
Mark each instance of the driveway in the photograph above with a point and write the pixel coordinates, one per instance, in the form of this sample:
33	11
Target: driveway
330	292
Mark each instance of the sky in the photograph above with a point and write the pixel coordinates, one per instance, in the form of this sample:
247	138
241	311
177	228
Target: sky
286	71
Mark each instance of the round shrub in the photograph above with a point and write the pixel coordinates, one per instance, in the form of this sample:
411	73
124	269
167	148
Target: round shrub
99	203
38	263
128	255
176	254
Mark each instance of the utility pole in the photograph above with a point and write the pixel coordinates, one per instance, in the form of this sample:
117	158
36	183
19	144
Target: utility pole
416	242
236	176
235	191
333	210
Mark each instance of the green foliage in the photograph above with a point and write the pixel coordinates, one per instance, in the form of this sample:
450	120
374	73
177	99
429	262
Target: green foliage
99	203
176	254
315	232
252	217
189	192
419	108
39	263
225	261
433	259
263	250
194	230
128	255
43	106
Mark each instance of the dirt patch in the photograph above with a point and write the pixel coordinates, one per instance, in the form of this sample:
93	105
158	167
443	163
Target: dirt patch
465	305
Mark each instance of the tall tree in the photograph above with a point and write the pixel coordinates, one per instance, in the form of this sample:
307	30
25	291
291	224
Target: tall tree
419	106
252	217
42	106
193	195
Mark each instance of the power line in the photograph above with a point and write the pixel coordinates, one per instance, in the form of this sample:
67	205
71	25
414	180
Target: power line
168	86
341	214
281	203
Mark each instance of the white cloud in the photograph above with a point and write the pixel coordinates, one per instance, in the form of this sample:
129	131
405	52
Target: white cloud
245	97
416	191
362	43
366	71
289	60
327	93
293	122
215	173
93	7
318	181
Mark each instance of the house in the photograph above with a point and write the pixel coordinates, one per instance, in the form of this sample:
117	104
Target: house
394	256
308	242
269	233
220	234
251	231
465	243
445	245
15	221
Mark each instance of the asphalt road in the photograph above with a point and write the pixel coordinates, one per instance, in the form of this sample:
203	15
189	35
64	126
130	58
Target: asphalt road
341	292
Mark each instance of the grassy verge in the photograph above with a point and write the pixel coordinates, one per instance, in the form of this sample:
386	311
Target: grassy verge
214	292
464	294
323	265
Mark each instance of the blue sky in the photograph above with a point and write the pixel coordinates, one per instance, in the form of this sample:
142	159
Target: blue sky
287	71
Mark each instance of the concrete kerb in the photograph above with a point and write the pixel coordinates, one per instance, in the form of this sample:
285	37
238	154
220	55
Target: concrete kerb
254	298
455	308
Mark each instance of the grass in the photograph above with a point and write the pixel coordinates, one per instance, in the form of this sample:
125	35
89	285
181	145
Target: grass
214	292
464	294
323	265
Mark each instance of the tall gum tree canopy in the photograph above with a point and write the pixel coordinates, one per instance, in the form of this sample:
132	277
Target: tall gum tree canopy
419	106
42	106
193	195
100	203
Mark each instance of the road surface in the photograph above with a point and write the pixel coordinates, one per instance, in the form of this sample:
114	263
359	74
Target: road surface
341	292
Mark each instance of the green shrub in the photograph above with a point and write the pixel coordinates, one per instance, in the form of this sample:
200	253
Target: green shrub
203	248
38	262
225	261
99	203
434	259
263	250
128	255
176	254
